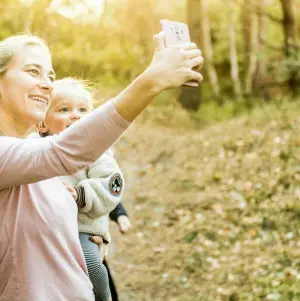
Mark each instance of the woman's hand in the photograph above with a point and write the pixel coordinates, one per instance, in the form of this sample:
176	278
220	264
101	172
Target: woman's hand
173	66
123	223
170	68
98	240
72	190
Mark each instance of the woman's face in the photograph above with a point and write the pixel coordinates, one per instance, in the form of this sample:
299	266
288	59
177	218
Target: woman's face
26	86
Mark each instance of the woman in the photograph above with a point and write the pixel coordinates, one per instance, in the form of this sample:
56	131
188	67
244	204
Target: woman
40	254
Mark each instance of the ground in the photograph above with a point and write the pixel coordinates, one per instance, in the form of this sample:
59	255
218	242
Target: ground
215	210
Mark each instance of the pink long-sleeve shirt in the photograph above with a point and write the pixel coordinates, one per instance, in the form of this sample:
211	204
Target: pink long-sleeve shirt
40	254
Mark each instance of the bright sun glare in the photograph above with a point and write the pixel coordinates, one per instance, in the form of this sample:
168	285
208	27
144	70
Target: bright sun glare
78	8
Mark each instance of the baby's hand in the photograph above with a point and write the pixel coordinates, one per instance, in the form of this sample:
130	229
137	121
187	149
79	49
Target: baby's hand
124	223
72	190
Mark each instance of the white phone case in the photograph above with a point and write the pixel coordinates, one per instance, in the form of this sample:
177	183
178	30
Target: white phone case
177	33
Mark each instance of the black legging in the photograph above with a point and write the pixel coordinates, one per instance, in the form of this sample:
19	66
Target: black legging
97	271
112	286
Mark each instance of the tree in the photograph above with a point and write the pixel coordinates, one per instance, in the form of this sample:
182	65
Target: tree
290	40
233	52
259	79
251	43
289	25
190	97
37	14
208	53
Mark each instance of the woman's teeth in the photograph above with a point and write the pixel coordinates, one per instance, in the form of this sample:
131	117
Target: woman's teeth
39	98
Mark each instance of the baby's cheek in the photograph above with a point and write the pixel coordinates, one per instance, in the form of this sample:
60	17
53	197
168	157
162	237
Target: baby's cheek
57	125
61	125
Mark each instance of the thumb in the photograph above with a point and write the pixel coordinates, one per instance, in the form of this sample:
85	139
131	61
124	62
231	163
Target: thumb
159	41
121	226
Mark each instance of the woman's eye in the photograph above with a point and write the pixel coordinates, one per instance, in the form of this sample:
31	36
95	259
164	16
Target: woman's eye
64	110
33	71
52	79
83	110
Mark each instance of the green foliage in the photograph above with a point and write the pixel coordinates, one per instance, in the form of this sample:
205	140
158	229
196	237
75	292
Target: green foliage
112	49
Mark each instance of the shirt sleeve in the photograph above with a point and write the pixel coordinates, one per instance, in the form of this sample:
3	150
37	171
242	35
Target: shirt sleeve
103	188
117	212
24	161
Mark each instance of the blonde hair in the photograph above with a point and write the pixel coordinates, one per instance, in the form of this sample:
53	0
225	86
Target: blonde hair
9	47
84	85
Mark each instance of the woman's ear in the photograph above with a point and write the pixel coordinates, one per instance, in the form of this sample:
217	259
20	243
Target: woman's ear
42	127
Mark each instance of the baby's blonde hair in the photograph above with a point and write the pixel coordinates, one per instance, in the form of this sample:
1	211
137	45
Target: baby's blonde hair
83	85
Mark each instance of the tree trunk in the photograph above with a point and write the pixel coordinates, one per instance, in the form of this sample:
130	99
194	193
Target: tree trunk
289	25
290	39
104	10
250	37
233	52
37	15
259	80
191	97
208	53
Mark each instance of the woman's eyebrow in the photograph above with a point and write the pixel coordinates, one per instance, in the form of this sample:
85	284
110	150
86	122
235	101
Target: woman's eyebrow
51	72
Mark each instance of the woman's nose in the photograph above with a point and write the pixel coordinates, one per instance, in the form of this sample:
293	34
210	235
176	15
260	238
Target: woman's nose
46	85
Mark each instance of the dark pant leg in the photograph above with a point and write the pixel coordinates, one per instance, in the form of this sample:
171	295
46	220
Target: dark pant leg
112	286
97	271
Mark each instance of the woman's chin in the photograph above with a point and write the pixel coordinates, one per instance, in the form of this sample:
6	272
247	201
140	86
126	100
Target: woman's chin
37	116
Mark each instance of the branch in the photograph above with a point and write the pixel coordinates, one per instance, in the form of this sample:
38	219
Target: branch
269	45
270	16
256	10
275	83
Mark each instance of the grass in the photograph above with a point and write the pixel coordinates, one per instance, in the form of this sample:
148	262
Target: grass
214	200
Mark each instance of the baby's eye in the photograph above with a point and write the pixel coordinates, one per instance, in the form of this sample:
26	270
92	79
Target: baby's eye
65	109
52	79
83	110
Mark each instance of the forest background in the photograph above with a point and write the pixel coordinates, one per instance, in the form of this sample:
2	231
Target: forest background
212	173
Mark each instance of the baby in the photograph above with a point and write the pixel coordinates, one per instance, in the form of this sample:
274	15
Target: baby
96	189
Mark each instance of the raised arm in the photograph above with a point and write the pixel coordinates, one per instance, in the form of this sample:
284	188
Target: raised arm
28	161
170	68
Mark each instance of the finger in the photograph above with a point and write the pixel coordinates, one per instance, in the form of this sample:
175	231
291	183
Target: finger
194	75
195	62
122	228
96	239
70	189
159	41
125	226
186	46
190	54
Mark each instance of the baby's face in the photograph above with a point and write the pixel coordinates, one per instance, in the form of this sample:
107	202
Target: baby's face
69	105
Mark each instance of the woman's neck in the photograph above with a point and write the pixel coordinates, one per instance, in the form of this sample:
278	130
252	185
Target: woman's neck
11	127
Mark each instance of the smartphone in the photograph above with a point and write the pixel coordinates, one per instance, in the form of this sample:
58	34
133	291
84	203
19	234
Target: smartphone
177	33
